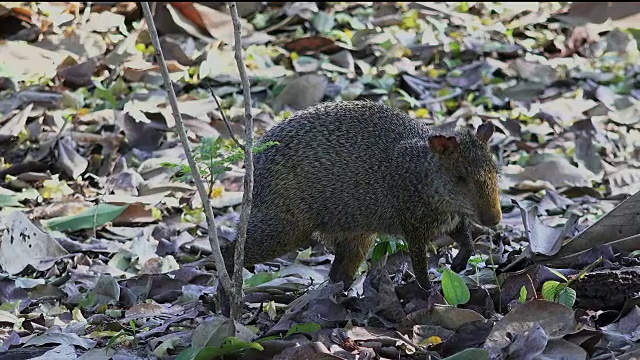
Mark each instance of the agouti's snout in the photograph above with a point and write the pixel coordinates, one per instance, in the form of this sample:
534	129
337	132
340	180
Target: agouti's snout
490	217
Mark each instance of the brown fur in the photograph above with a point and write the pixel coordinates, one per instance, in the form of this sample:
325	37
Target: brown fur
350	170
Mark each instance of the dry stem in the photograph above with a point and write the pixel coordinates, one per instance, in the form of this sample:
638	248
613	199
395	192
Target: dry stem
247	198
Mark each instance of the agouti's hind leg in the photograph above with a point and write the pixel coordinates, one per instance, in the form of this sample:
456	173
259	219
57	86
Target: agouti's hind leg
350	250
267	238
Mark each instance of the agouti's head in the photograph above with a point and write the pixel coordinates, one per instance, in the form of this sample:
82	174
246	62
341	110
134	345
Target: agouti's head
471	172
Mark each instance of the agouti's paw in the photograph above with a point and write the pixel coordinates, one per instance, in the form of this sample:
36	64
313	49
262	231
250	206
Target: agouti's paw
458	266
459	262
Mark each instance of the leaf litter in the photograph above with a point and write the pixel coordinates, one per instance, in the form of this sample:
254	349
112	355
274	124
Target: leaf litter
103	245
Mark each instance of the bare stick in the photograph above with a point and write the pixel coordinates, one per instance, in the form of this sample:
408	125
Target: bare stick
226	121
247	197
223	276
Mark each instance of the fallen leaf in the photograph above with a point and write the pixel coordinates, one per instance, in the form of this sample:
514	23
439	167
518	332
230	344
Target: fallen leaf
23	62
102	214
301	92
24	244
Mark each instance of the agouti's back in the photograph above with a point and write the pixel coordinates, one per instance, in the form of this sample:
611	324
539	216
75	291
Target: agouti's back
351	170
335	165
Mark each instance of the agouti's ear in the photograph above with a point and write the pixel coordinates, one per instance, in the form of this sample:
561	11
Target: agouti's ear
485	131
443	144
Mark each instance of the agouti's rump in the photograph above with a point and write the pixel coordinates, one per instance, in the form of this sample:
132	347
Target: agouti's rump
351	170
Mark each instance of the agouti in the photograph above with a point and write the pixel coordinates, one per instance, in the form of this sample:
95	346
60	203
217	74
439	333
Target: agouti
346	171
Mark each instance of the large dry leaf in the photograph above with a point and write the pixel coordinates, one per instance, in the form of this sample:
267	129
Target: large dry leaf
25	244
69	160
555	319
446	316
559	172
220	65
302	92
104	21
217	23
544	239
622	14
621	222
22	62
16	123
80	44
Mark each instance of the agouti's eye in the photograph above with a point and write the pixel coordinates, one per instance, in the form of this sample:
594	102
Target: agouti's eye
461	179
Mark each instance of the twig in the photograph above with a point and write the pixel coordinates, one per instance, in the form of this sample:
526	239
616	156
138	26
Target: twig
87	13
226	121
247	197
441	98
223	276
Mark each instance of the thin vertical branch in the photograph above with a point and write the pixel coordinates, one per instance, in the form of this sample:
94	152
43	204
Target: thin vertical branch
226	121
225	281
247	198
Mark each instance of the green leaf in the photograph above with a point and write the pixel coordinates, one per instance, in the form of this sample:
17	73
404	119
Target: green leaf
549	290
102	214
470	354
232	344
303	328
558	274
88	300
454	288
567	297
114	338
323	22
9	201
268	338
229	345
188	354
523	295
260	278
380	250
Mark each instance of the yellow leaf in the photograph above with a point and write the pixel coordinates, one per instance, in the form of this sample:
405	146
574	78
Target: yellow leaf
410	19
431	340
434	73
156	213
217	192
55	189
422	113
23	135
77	315
294	56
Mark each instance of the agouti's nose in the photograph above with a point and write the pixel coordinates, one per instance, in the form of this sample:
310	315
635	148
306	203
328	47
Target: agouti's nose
491	217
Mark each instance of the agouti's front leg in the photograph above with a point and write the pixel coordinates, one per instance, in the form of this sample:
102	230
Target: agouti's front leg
418	251
462	236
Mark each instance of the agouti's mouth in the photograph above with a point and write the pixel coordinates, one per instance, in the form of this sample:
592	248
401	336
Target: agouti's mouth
490	218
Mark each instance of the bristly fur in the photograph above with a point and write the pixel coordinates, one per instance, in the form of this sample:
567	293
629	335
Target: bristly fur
351	170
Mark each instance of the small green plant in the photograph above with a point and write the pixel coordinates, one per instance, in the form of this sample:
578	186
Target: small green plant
310	327
386	246
523	295
229	345
561	292
123	335
302	328
260	278
214	156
